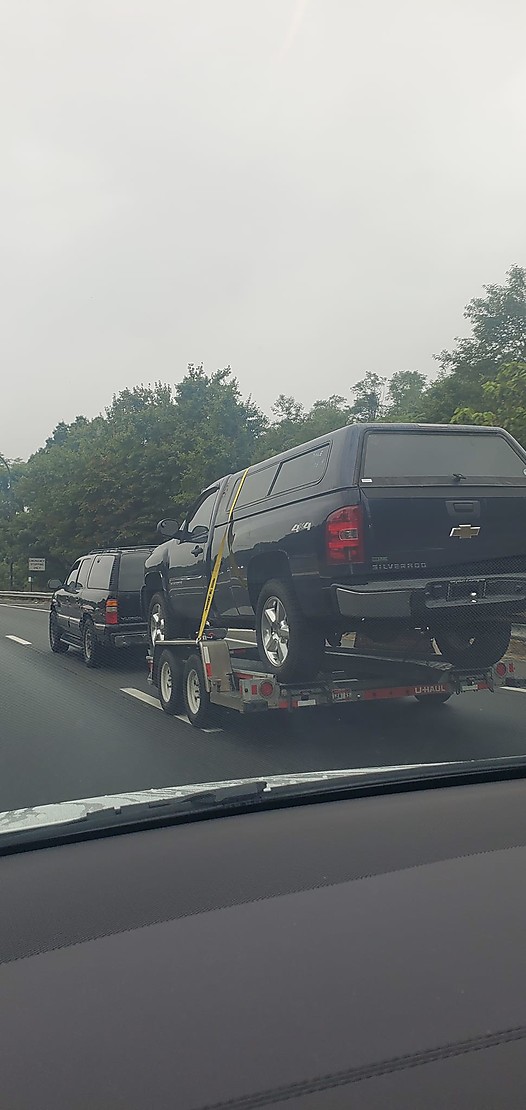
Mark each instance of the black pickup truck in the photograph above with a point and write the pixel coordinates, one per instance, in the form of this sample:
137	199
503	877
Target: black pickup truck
372	528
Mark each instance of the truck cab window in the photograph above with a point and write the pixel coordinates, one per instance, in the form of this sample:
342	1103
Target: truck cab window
201	516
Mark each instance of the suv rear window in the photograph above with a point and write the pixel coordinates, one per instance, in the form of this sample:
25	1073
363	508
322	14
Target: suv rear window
100	573
395	456
131	574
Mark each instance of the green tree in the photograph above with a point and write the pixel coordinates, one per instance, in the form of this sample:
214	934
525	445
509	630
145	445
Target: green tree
498	323
505	398
292	424
405	395
109	480
368	398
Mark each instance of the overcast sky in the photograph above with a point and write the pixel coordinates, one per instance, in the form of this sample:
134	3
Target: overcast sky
305	189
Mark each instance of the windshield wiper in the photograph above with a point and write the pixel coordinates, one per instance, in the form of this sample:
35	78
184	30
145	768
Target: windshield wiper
458	476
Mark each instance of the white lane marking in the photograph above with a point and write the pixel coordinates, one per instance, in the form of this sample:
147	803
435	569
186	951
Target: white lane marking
182	717
514	689
19	640
149	700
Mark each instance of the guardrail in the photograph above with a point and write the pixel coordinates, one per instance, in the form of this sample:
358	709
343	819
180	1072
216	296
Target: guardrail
24	595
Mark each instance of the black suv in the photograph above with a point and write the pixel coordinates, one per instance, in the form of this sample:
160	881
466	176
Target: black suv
99	605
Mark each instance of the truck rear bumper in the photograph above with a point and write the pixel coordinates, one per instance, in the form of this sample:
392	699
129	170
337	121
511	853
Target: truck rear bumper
499	595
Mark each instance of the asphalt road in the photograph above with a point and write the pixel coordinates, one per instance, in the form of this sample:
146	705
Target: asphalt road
67	732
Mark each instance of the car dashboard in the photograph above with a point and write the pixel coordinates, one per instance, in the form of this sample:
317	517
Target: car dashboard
366	952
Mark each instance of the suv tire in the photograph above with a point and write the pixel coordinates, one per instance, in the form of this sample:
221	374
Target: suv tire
289	644
56	642
481	645
91	648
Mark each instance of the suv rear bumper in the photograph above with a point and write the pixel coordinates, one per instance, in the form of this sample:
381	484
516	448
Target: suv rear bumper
122	638
413	598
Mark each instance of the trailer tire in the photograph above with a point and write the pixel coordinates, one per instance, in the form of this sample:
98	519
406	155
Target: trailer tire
171	683
195	694
433	699
480	646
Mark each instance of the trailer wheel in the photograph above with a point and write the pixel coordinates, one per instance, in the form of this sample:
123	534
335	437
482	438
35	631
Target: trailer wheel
478	645
170	683
432	699
195	693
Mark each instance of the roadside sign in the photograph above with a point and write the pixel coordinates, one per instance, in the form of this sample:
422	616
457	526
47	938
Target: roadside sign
37	564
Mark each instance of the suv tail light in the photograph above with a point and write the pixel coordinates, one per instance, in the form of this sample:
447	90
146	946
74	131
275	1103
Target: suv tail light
112	611
344	535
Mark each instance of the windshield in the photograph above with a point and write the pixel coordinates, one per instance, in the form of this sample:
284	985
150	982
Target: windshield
263	418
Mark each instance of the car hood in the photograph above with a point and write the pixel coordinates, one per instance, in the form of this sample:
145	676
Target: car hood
58	813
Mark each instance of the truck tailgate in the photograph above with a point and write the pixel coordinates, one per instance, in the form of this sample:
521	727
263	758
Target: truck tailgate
442	499
433	529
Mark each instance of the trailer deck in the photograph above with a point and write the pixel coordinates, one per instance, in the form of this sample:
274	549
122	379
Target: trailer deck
194	675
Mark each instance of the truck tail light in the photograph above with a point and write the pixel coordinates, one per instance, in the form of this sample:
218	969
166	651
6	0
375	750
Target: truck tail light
344	535
112	611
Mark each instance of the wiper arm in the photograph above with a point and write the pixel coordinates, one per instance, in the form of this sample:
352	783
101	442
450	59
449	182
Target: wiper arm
459	477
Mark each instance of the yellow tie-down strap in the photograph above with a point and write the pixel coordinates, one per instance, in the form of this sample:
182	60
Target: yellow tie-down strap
218	560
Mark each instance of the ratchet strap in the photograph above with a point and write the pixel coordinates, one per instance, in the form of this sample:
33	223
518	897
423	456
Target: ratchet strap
218	560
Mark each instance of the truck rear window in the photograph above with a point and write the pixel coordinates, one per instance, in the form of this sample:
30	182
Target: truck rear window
396	455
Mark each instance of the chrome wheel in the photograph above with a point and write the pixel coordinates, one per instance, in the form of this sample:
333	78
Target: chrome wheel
157	623
166	682
275	631
193	691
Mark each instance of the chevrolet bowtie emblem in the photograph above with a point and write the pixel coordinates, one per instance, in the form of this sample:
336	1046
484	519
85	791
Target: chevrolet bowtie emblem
464	532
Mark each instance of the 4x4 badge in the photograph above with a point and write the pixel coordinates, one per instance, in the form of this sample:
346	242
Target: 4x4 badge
464	532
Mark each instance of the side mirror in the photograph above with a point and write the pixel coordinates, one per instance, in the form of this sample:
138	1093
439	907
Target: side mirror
168	529
199	534
54	584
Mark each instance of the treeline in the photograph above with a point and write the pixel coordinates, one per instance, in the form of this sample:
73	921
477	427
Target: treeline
109	479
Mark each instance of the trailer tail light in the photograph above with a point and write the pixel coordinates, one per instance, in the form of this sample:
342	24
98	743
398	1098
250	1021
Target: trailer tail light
112	612
344	535
266	688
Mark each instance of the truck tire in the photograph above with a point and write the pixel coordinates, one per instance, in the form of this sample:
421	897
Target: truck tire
289	644
160	623
481	645
195	693
171	683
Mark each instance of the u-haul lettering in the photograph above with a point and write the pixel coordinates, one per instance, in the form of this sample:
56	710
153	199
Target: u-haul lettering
439	688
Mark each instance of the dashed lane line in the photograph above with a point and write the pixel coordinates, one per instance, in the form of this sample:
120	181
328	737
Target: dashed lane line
19	640
149	700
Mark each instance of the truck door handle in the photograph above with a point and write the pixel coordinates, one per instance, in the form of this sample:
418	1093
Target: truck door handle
197	551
